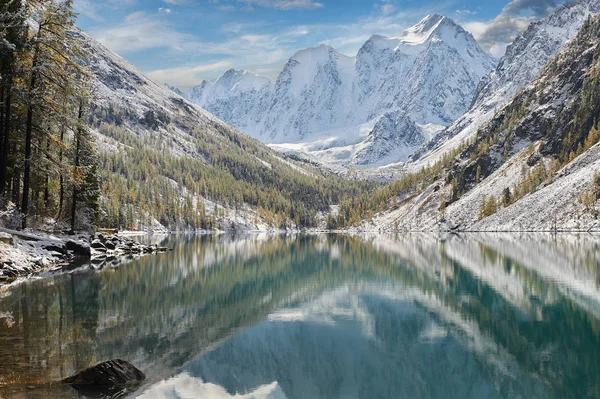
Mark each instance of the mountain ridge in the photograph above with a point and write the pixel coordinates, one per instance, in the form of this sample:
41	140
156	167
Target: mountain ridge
327	104
521	64
167	164
533	167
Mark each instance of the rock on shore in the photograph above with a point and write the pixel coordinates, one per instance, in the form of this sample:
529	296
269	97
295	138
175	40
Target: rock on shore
26	253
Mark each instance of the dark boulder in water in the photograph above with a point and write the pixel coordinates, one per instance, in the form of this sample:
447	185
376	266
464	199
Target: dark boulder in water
108	378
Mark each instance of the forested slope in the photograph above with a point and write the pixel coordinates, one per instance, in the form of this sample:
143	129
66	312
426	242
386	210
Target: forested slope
172	160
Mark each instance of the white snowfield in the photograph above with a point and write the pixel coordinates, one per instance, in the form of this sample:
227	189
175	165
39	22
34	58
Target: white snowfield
372	109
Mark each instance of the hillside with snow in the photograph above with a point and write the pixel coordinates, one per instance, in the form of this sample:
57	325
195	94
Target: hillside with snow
167	164
533	167
372	109
522	63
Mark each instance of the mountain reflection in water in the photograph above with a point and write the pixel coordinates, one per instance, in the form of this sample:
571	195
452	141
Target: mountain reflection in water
324	316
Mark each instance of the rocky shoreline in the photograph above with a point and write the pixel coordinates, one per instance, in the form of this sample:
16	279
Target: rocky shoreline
24	254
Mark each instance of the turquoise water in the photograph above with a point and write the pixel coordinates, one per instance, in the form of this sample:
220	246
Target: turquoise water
414	316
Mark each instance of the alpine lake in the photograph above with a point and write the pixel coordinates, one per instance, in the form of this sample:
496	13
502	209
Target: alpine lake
318	317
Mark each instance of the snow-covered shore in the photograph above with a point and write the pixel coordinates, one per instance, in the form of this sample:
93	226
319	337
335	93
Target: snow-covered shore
27	253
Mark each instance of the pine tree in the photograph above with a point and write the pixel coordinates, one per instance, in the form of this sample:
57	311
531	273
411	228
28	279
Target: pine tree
13	33
86	188
57	88
506	196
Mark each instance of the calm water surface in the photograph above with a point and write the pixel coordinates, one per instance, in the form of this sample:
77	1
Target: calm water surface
415	316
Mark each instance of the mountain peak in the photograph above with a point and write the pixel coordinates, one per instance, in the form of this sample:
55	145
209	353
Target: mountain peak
232	83
232	71
315	54
238	75
336	100
430	21
429	26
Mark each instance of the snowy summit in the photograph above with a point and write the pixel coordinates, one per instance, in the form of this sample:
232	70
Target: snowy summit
333	107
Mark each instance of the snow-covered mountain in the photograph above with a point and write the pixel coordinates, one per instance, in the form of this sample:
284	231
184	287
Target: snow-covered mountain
236	97
522	63
533	167
371	109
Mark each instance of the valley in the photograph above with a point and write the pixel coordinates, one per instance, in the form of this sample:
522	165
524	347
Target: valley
391	139
299	199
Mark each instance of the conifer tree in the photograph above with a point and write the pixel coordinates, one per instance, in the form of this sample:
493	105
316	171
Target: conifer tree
13	33
56	87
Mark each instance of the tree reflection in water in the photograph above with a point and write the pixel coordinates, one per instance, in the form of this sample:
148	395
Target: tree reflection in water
321	316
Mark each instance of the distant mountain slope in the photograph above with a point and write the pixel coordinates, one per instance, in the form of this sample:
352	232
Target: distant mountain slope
523	61
534	166
237	97
372	109
166	163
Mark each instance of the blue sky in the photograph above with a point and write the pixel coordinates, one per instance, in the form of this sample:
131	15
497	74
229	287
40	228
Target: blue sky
182	42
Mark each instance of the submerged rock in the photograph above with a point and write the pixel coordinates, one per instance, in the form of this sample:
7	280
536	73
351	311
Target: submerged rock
111	376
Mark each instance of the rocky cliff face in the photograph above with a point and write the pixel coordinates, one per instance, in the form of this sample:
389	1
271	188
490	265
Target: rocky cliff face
328	104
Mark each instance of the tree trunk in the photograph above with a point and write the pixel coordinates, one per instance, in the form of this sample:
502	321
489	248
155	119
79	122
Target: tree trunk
47	180
4	132
16	180
27	172
28	134
75	191
6	143
61	194
16	189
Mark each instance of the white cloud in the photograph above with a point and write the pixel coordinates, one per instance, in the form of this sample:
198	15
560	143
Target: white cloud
247	46
465	12
187	77
87	8
495	35
135	16
142	32
476	28
139	32
277	4
498	49
92	8
387	8
164	10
